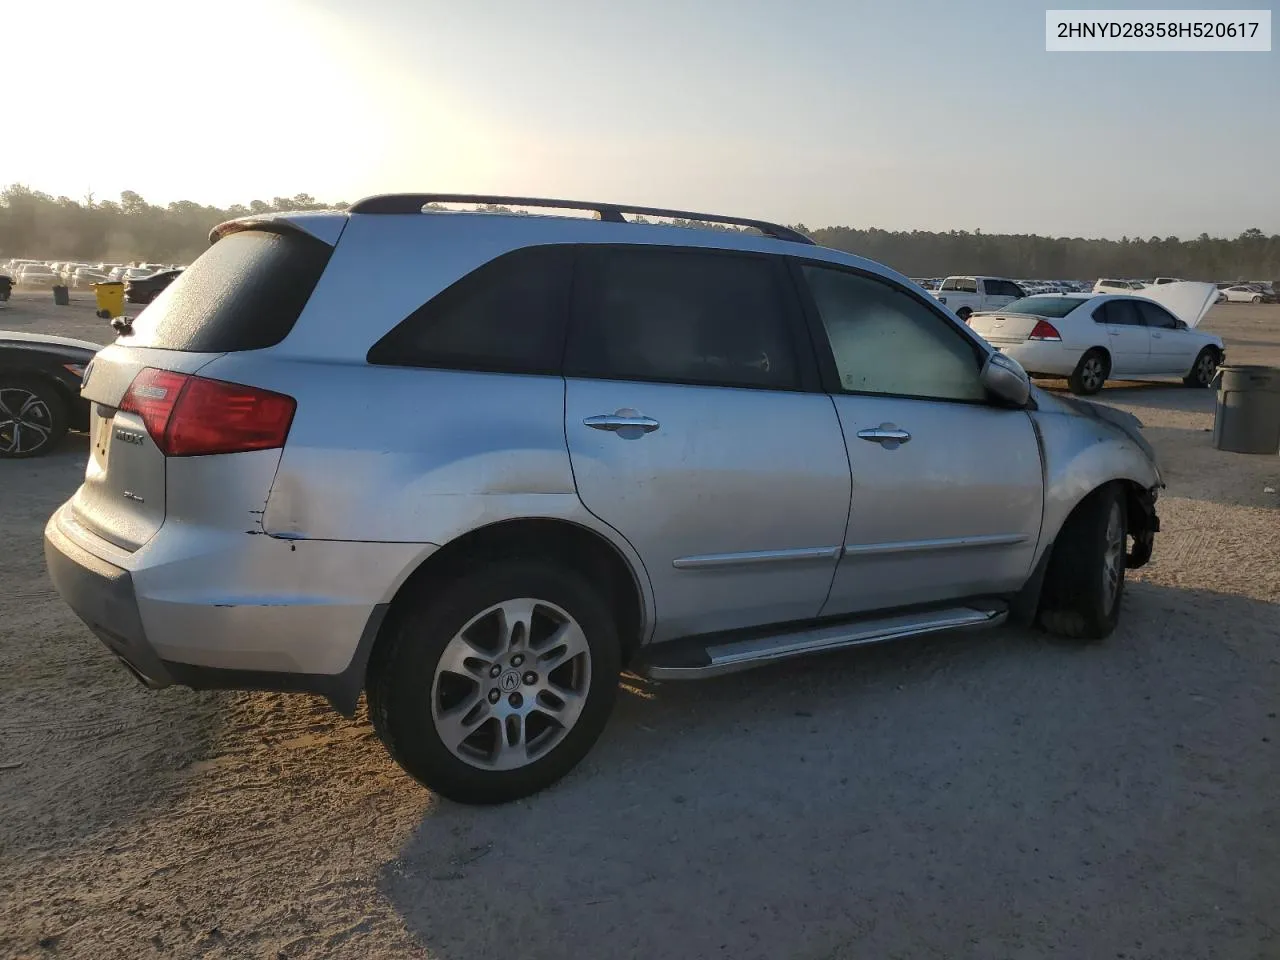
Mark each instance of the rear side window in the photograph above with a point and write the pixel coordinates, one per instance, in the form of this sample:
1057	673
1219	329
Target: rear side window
960	284
1121	313
508	316
244	293
681	316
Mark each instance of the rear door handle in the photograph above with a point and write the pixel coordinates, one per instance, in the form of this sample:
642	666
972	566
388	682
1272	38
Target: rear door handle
620	422
888	435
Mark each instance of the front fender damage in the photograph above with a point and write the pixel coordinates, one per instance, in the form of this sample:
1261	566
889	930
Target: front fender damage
1087	445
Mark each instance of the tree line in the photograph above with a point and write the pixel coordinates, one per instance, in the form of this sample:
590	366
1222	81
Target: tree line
35	224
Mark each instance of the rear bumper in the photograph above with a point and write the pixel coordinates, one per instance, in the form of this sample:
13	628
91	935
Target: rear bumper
176	610
1042	357
101	594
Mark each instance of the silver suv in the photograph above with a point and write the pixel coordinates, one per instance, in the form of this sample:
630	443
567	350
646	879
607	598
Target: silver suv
475	464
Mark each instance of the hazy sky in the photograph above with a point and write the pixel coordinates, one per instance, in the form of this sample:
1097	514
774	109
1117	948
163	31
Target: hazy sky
930	115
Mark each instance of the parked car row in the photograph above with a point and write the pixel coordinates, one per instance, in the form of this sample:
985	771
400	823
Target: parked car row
76	275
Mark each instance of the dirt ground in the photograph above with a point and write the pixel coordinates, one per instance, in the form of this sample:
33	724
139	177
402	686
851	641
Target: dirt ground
991	795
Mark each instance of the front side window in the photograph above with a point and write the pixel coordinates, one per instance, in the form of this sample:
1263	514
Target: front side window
885	341
1157	316
680	316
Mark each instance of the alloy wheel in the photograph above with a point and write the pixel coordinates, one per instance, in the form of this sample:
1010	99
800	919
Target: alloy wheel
26	423
511	684
1091	374
1113	557
1206	367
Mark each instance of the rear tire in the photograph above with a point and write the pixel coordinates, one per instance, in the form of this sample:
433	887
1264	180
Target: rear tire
456	661
964	313
1084	582
1256	300
1090	373
1204	369
33	417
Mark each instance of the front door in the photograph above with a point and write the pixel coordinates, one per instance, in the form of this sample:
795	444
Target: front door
691	433
947	490
1173	348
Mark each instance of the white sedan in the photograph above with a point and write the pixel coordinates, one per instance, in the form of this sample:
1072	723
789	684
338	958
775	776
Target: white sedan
1088	338
1243	293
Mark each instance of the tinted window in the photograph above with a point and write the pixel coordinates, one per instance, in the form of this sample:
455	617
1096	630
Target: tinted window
1120	313
649	313
508	315
1047	306
244	293
960	284
886	341
1157	316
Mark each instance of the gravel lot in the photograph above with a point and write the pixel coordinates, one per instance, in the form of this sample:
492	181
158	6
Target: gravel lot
994	795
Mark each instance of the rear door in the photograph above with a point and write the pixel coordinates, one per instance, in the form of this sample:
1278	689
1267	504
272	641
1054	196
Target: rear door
244	293
697	429
947	488
1128	340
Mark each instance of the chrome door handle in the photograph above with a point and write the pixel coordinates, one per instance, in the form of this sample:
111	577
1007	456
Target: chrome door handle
615	422
1157	336
888	435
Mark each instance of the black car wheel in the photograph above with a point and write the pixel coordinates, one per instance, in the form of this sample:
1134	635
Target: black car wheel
1085	579
1204	369
33	418
1090	373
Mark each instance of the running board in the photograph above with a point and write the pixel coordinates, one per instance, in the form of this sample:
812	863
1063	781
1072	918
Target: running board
693	660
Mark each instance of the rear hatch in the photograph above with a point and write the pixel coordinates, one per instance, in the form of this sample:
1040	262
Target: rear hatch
148	403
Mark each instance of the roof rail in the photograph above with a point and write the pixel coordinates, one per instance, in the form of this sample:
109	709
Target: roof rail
609	212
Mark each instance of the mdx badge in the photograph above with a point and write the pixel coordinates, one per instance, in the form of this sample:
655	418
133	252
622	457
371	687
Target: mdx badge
128	436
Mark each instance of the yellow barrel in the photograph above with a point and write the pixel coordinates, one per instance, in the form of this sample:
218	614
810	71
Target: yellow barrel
110	297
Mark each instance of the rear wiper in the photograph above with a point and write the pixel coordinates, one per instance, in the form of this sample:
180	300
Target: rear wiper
122	325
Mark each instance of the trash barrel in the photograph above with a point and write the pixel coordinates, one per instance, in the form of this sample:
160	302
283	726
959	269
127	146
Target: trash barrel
61	295
1248	416
110	297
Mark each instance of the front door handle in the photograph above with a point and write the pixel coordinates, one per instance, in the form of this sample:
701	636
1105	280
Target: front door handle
627	424
888	435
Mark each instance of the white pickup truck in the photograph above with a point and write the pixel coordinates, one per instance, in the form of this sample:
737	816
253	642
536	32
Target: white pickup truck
969	295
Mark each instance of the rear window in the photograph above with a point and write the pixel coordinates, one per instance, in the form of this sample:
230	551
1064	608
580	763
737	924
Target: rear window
1056	307
244	293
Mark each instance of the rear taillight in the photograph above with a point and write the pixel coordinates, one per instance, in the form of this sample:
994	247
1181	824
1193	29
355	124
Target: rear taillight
1043	330
190	416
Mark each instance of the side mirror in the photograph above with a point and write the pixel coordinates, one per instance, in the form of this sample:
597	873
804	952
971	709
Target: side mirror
1004	377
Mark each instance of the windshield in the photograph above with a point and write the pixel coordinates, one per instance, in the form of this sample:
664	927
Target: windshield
1056	307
